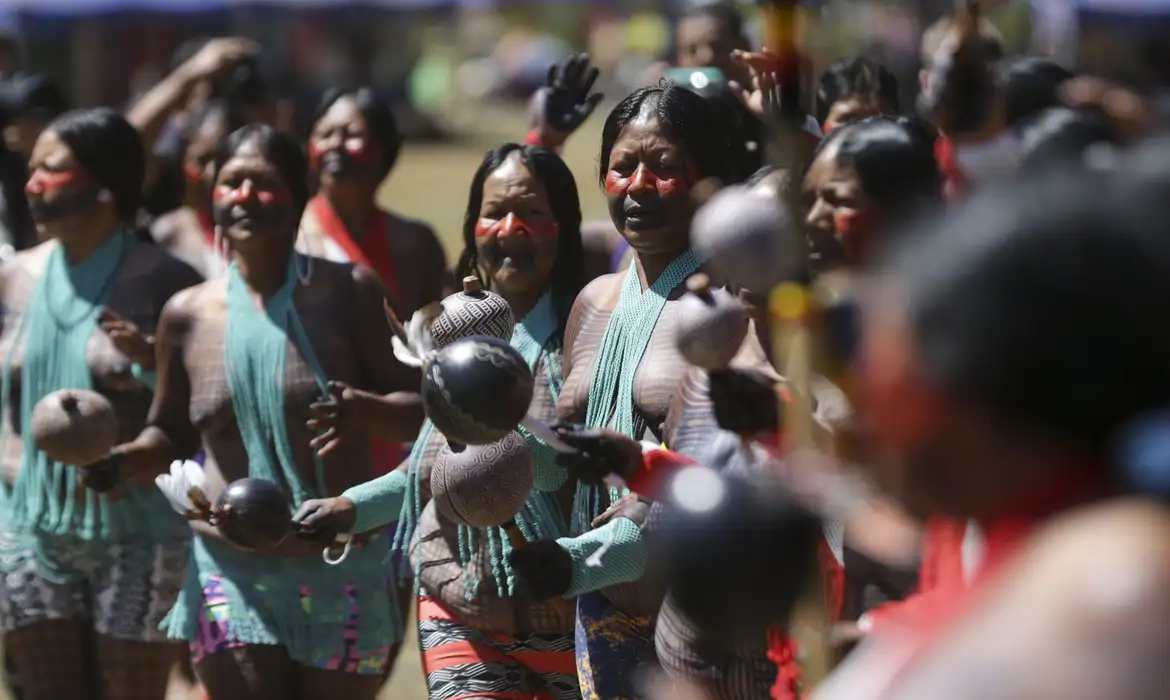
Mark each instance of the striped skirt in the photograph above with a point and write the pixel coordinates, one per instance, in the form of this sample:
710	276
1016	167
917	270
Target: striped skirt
463	662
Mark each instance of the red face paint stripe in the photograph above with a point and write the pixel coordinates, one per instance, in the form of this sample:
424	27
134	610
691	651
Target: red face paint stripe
43	182
512	225
226	194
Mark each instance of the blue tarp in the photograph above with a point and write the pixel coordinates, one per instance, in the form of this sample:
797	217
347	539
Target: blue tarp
91	7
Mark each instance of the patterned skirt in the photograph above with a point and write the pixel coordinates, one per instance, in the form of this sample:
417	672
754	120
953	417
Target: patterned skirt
612	647
461	661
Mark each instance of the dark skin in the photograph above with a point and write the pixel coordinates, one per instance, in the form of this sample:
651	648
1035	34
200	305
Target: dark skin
180	232
517	260
655	219
121	669
341	310
420	264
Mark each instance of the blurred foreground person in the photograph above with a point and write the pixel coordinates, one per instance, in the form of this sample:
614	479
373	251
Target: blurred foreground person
85	579
277	621
1036	431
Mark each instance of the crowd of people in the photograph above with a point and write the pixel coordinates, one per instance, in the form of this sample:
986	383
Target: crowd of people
970	502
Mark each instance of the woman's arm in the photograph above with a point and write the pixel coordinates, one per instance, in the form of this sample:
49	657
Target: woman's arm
169	434
388	405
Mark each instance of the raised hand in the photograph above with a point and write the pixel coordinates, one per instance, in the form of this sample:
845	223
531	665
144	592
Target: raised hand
218	56
566	100
762	97
599	453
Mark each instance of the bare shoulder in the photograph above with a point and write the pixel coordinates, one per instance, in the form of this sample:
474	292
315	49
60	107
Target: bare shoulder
1117	557
412	231
600	289
1080	613
32	260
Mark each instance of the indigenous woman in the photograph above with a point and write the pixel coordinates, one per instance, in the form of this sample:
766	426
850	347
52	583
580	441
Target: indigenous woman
1029	428
352	148
78	313
189	232
621	365
278	622
480	635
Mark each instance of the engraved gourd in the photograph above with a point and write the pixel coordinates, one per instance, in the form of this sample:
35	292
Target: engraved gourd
482	485
473	311
711	324
477	390
74	426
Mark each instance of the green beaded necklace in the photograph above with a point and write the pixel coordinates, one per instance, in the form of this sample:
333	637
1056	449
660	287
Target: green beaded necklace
611	387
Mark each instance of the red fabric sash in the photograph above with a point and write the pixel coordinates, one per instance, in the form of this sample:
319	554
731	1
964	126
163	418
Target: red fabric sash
373	250
932	614
955	183
207	228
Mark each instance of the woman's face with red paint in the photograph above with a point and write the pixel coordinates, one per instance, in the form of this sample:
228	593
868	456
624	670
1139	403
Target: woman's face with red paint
648	184
516	234
252	202
199	161
340	147
61	194
835	199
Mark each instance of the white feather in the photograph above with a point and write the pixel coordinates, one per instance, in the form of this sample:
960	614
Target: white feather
419	344
404	354
175	486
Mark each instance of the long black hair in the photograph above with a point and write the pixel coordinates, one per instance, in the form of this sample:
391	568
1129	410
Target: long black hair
690	121
568	275
110	150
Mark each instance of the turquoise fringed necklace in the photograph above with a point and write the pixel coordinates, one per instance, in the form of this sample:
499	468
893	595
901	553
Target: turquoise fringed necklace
535	338
611	386
55	330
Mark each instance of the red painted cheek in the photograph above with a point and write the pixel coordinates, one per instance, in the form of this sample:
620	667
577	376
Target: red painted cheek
46	183
854	228
486	227
545	230
359	150
616	184
315	154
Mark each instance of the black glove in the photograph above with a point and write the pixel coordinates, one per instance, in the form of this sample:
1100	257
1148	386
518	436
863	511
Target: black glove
544	568
745	401
103	475
565	100
599	453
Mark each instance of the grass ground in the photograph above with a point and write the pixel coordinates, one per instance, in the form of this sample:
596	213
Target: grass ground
430	183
